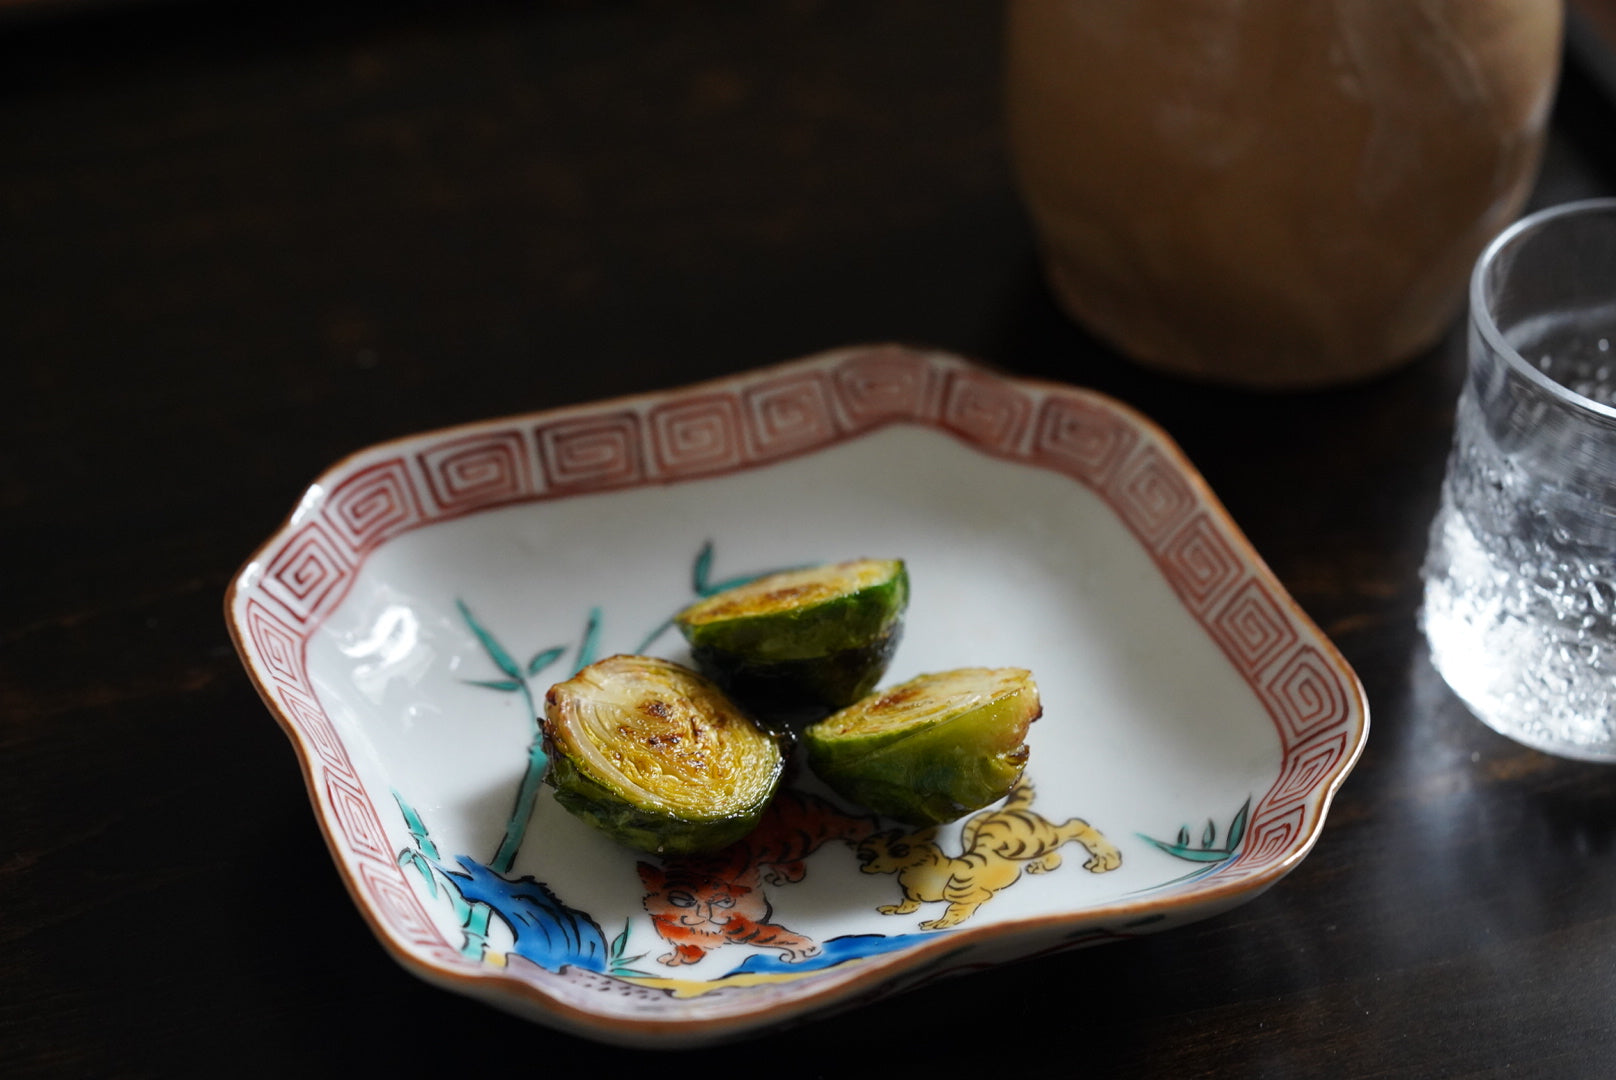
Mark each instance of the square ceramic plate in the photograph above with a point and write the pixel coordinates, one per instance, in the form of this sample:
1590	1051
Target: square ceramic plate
403	622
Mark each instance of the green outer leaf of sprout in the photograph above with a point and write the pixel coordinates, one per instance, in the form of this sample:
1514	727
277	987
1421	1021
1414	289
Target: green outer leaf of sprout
992	726
732	583
793	665
633	815
957	761
853	619
795	692
652	830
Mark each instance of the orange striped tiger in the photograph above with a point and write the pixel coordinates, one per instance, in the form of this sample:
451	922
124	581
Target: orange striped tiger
997	845
699	903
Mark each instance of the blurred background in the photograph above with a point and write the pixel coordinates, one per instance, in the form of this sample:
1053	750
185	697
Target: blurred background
240	240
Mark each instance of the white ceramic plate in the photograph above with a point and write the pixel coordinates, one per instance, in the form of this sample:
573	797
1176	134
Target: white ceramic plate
424	594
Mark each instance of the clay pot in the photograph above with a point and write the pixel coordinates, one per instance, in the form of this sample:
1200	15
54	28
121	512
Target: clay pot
1274	193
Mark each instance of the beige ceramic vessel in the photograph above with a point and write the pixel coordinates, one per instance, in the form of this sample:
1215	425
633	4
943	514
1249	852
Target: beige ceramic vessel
1274	193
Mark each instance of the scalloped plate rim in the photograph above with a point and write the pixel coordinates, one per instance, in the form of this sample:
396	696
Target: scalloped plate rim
523	997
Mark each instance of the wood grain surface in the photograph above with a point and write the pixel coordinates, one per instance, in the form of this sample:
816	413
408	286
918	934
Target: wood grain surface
239	241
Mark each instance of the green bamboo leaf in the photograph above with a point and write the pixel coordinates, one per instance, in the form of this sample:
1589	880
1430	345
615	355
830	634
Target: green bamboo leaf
1184	851
703	567
457	902
545	659
620	942
1210	834
1237	827
494	684
417	827
414	859
475	929
590	642
538	764
1183	836
411	818
650	639
496	651
425	869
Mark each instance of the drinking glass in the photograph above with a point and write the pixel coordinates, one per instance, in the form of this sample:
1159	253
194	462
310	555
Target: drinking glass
1520	575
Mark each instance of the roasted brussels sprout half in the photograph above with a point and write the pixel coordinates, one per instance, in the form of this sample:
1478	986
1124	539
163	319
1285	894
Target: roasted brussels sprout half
930	750
798	644
657	756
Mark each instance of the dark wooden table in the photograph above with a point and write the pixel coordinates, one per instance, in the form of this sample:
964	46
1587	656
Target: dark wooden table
240	241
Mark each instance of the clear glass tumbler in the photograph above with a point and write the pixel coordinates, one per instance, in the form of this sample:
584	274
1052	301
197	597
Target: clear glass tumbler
1520	576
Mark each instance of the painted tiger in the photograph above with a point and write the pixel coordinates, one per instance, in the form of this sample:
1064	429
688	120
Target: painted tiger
997	844
699	903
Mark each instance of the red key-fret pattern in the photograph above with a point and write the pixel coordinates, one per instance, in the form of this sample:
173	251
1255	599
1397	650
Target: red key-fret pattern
749	421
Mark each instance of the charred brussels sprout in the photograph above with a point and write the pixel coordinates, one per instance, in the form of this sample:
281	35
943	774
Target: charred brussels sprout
797	644
657	756
930	750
